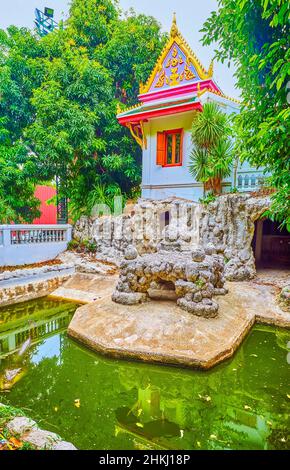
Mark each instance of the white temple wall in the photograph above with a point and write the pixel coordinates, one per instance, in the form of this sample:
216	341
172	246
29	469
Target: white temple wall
161	182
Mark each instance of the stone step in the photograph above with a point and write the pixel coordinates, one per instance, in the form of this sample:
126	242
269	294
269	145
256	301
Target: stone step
75	294
86	288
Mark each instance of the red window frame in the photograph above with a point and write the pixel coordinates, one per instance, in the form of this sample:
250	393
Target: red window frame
173	132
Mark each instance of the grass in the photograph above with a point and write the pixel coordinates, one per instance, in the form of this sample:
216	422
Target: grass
8	412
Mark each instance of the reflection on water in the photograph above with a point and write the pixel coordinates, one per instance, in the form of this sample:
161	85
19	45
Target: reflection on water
241	404
24	325
32	320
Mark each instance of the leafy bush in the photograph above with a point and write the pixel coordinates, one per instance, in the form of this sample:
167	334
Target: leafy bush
73	245
233	190
210	197
89	247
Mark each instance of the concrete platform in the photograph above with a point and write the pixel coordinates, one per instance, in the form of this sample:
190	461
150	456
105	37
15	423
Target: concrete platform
159	331
86	288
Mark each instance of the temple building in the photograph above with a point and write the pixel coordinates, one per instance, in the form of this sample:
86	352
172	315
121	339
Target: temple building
161	123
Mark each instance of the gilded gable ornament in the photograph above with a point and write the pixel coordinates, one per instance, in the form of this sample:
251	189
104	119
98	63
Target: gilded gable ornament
189	75
161	80
174	61
188	61
174	77
177	64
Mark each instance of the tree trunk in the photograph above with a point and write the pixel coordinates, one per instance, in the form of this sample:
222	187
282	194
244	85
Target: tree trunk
236	164
215	184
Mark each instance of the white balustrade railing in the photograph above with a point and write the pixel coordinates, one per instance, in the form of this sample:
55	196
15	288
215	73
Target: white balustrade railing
27	244
250	181
20	237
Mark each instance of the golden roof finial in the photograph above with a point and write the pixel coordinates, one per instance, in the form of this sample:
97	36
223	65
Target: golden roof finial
210	70
174	29
119	109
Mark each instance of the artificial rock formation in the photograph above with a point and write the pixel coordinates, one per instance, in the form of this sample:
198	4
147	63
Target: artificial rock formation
228	223
191	278
143	225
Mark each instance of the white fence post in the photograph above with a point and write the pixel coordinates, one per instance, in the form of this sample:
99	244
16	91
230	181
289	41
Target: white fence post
6	236
69	234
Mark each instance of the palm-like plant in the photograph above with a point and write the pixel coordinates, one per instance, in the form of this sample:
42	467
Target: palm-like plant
103	195
198	165
211	157
209	126
222	158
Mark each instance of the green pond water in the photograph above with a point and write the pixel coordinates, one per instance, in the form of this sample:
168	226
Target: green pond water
100	403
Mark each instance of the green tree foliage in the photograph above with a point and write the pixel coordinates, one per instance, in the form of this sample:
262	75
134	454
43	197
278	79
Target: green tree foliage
131	53
90	21
255	36
67	86
17	201
19	74
70	103
18	48
212	156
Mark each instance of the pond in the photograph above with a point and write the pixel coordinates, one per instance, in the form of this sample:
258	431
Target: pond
101	403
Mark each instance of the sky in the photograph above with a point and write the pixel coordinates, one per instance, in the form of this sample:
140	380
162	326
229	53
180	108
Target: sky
191	15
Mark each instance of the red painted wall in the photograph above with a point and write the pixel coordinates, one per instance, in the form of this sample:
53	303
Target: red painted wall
48	212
